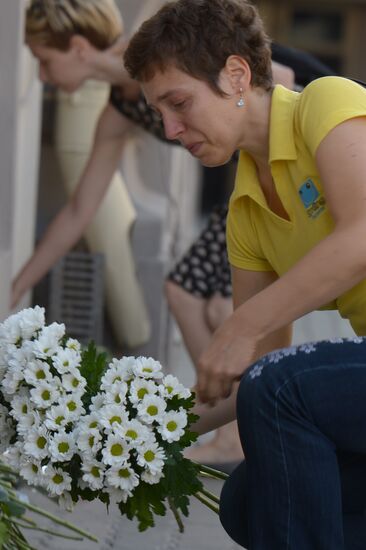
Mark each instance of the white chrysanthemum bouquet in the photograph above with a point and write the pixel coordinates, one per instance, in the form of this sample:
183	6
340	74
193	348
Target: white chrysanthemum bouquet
83	429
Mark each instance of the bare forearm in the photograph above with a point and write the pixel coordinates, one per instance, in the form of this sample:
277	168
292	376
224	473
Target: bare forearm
68	226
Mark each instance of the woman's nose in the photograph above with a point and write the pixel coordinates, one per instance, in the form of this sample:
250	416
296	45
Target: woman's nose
173	128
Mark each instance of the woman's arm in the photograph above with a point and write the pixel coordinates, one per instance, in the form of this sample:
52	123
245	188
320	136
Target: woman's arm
68	226
245	285
332	267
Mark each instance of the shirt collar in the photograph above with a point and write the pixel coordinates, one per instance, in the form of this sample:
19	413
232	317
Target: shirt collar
281	143
281	135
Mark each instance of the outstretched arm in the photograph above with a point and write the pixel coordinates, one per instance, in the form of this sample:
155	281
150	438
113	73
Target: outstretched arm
68	226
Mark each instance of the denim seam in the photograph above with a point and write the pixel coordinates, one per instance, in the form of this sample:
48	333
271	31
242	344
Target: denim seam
278	391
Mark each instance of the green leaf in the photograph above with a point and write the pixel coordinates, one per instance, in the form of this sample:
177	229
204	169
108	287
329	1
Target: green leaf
93	365
146	501
13	509
180	482
4	533
4	497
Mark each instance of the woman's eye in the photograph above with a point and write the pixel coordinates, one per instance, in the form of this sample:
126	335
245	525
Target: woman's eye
179	105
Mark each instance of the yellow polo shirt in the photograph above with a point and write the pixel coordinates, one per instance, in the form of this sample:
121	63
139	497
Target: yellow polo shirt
260	240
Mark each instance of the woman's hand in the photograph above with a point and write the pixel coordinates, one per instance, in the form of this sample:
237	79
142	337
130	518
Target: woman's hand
230	353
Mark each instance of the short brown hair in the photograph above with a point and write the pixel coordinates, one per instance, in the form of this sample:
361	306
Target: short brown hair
52	23
197	36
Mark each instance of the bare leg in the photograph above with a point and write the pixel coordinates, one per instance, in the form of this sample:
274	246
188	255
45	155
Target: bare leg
197	319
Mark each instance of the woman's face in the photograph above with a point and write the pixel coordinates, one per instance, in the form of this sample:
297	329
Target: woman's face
206	124
63	69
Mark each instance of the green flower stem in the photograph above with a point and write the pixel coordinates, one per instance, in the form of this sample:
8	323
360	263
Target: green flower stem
176	514
42	530
210	495
21	544
207	502
216	474
55	519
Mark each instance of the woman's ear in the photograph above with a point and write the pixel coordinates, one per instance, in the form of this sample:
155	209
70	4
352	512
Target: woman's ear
81	46
237	71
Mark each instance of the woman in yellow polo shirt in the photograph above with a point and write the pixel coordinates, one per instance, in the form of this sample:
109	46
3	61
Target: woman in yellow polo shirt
296	227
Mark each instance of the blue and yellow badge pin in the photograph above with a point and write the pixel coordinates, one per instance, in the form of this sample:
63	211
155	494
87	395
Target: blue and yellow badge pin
312	200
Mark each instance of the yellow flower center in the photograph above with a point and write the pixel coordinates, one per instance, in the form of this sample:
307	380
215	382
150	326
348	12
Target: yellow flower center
41	442
132	434
95	471
124	473
117	419
149	456
63	447
40	375
116	449
152	410
46	395
141	393
57	479
172	426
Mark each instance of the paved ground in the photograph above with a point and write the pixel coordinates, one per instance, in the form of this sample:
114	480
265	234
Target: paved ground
202	529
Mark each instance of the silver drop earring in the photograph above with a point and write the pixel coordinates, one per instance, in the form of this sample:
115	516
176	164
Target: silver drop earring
241	101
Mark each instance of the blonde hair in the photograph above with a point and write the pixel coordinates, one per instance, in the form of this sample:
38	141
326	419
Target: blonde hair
52	23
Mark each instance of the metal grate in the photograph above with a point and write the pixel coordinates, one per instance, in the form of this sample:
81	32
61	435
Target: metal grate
77	295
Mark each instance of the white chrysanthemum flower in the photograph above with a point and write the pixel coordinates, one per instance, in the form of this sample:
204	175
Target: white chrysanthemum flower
14	455
116	372
93	474
10	330
65	502
117	495
147	367
124	366
57	416
28	421
36	442
58	482
7	433
151	409
97	402
140	387
90	421
12	381
31	321
73	381
65	360
150	478
62	446
48	341
73	344
123	477
44	395
151	457
89	441
172	425
74	404
30	470
113	416
171	387
37	371
116	393
135	432
20	404
116	451
19	357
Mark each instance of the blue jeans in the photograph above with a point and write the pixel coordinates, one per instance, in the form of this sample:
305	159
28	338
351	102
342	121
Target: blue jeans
302	423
